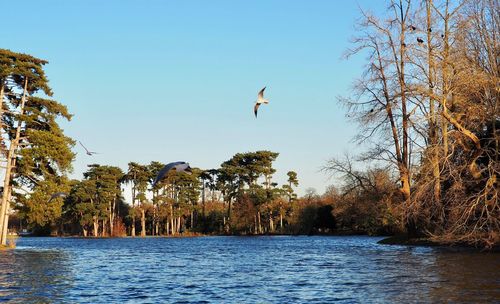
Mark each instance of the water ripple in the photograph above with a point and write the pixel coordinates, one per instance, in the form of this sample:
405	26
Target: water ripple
242	269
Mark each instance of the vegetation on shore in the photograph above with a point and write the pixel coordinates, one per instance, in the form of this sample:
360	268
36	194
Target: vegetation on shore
238	198
427	109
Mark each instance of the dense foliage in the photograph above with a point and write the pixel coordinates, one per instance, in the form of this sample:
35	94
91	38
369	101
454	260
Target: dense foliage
240	197
427	105
36	151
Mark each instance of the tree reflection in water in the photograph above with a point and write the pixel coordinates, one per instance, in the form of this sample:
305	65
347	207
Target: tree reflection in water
40	276
434	275
468	277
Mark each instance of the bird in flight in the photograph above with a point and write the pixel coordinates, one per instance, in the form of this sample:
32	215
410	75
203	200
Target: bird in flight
179	166
260	100
56	195
87	150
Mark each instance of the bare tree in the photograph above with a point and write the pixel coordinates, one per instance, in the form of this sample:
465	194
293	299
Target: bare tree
382	97
427	103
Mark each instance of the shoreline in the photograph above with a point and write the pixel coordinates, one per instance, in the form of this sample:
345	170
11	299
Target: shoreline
394	240
403	240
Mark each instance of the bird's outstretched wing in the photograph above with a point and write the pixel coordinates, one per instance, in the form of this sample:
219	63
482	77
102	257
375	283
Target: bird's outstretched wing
256	108
56	195
86	150
180	165
261	93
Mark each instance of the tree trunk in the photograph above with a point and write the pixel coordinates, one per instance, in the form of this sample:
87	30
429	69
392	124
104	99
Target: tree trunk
176	223
192	219
475	140
229	210
96	226
156	211
255	224
104	230
445	76
433	130
2	94
154	229
405	176
132	232
85	232
271	223
6	225
448	118
402	148
281	221
203	201
143	222
112	216
400	152
259	223
4	219
172	219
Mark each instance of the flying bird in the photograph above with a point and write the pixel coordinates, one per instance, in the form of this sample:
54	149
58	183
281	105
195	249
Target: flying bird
179	166
260	100
420	40
87	150
56	195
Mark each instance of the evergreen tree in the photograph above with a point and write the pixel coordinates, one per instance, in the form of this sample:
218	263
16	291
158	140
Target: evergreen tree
37	146
139	176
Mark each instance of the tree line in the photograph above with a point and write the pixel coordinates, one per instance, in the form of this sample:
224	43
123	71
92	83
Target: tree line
239	197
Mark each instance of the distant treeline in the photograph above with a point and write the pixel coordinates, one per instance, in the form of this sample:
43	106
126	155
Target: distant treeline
240	197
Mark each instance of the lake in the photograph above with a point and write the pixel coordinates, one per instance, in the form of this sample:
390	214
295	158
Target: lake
263	269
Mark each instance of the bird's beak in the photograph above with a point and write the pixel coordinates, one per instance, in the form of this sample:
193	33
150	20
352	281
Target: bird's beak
189	170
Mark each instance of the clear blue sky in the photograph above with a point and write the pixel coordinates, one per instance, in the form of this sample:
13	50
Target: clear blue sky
176	80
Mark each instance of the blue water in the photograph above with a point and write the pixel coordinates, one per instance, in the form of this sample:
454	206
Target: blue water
243	270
